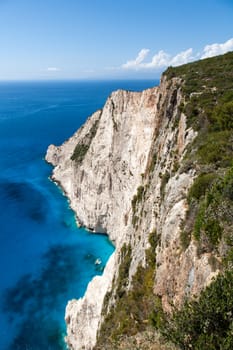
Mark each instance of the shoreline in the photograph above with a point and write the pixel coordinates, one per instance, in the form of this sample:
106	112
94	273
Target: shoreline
77	220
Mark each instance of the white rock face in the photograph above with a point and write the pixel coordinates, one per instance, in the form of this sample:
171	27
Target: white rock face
82	316
131	130
100	189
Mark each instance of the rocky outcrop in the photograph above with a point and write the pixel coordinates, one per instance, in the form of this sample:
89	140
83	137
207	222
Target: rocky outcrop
83	315
101	185
122	174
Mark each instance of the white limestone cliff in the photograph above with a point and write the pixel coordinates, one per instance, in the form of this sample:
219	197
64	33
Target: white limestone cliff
100	189
83	315
133	131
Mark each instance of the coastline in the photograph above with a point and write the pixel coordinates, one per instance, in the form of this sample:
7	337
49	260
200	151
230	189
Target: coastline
100	189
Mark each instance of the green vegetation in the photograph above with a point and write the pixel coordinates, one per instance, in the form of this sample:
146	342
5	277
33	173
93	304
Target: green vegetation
137	198
208	90
185	238
200	185
123	274
207	87
131	312
79	152
164	181
214	198
205	323
153	163
215	148
223	116
82	147
215	72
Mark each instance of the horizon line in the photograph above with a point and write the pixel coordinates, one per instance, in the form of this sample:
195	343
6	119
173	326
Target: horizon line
77	80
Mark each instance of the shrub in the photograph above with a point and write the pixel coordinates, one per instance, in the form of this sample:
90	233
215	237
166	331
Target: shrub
82	147
137	198
132	309
223	116
123	275
185	238
216	149
153	163
164	181
201	184
79	152
213	230
199	222
205	323
212	214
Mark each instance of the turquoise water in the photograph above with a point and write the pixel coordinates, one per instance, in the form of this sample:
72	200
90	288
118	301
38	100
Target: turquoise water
45	260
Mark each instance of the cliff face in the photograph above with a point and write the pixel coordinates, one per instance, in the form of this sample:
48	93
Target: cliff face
101	185
126	175
116	142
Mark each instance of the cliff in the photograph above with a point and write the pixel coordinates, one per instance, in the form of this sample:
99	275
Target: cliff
133	171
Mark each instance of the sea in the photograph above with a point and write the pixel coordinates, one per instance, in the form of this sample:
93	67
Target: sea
45	259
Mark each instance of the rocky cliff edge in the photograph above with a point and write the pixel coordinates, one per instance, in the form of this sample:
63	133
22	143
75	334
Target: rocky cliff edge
122	172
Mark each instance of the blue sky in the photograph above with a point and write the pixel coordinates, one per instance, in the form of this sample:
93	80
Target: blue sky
105	39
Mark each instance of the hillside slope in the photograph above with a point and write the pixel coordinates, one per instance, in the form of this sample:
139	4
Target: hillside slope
154	171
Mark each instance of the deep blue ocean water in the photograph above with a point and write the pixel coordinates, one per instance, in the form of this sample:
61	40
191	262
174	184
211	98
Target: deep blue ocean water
45	260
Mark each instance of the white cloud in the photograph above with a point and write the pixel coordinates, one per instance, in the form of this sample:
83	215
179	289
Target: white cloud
217	49
163	59
53	69
159	60
138	60
182	58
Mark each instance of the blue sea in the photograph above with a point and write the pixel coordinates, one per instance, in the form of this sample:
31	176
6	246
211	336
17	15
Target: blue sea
45	260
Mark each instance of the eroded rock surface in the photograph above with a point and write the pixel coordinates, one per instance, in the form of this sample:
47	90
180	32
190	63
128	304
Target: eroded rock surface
138	140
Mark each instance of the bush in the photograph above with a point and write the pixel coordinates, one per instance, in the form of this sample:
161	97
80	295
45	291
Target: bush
153	163
164	181
223	116
185	238
137	198
215	208
79	152
123	275
82	147
200	219
201	184
205	323
213	230
216	149
132	309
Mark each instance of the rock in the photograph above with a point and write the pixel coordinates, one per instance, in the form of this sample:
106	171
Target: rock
83	315
134	143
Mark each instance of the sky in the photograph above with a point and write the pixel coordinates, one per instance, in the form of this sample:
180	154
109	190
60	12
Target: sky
109	39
